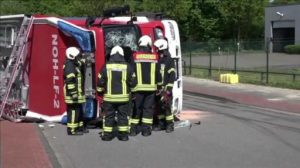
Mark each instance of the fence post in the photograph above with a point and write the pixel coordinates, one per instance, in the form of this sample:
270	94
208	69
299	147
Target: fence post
210	63
184	66
261	76
190	51
267	63
235	53
294	77
190	63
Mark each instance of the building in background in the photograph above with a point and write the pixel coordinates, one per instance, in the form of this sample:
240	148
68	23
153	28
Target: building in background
282	26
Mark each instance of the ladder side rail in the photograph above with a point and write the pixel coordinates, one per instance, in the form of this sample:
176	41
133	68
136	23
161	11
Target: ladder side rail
19	55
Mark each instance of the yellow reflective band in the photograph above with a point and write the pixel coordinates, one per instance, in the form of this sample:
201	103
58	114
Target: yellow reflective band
134	121
162	72
171	70
75	92
161	117
146	56
170	85
122	128
152	78
99	75
103	122
116	67
116	99
145	87
73	117
116	96
124	85
71	75
80	124
170	118
99	89
147	120
71	86
139	73
107	129
70	125
109	81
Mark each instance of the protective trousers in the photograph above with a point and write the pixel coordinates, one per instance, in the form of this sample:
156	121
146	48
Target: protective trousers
165	111
74	117
110	112
144	108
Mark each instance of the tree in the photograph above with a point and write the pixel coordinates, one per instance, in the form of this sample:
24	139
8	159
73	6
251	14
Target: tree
197	19
242	18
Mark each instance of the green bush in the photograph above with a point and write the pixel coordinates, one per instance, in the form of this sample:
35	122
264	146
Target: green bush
292	49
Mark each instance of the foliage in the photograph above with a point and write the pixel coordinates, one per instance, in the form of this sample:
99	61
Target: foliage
283	2
199	20
292	49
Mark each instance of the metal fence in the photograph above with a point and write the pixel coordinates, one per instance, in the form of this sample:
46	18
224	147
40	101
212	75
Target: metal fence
243	57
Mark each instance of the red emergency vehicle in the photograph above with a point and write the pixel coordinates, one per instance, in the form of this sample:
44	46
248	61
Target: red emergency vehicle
35	86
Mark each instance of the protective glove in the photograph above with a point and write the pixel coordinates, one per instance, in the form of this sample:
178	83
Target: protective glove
158	92
74	96
133	96
166	96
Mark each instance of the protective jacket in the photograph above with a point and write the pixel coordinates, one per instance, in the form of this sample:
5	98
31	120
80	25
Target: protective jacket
116	80
73	89
167	71
145	66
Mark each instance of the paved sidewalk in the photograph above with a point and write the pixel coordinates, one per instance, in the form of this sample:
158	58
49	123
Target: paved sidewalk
21	146
262	96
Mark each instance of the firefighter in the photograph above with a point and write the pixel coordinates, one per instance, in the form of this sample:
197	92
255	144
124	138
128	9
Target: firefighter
165	86
115	83
73	91
145	66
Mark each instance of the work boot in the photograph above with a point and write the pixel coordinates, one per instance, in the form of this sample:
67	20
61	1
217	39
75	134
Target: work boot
170	127
123	136
133	130
107	136
146	130
74	132
161	125
83	129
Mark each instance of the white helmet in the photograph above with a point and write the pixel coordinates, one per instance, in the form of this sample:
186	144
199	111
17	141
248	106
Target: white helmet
161	44
117	49
145	41
72	52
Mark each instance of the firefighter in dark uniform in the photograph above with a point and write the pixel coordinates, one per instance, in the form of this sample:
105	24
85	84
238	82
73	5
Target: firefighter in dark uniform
165	86
145	66
73	91
115	83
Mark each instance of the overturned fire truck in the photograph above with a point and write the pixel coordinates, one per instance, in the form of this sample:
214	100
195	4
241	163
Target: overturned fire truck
32	55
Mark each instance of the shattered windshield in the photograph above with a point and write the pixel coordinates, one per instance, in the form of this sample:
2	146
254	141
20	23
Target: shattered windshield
125	36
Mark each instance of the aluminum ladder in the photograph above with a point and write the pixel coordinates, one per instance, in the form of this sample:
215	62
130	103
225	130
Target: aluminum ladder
10	106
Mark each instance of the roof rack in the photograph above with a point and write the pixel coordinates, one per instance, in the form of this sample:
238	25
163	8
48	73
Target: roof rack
151	15
117	11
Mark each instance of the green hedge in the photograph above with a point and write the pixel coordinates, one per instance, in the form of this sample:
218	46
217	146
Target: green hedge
292	49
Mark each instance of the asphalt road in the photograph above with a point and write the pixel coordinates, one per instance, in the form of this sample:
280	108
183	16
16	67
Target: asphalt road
231	135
